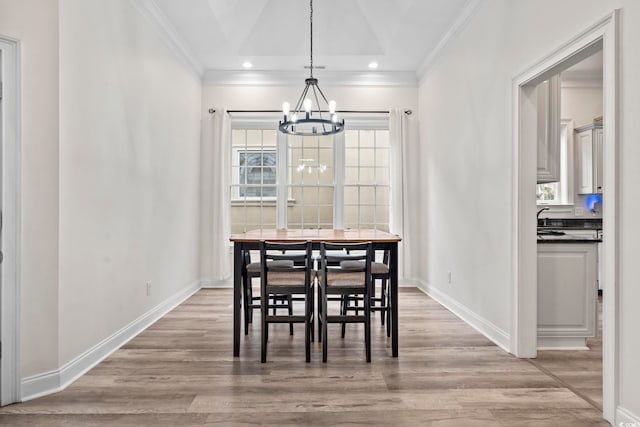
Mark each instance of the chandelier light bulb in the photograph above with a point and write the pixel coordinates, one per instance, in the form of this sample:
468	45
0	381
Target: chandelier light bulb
334	118
307	105
294	118
332	107
285	108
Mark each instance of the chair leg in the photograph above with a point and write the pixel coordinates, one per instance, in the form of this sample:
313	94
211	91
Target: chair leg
245	302
324	327
320	318
264	328
290	303
383	299
344	304
308	328
311	299
367	327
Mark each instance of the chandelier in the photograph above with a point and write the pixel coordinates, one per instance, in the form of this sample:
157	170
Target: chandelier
304	119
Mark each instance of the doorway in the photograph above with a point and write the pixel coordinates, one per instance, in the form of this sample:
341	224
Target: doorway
602	35
9	222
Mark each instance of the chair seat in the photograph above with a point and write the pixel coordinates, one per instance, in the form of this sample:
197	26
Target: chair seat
345	280
254	267
376	267
282	279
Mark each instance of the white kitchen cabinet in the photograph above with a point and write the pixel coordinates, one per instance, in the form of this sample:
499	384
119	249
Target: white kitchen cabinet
548	130
589	148
567	292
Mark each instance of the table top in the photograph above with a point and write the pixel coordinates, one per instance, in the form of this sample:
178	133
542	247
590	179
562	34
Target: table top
315	235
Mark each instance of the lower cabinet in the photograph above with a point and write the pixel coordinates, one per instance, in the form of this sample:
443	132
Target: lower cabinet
567	294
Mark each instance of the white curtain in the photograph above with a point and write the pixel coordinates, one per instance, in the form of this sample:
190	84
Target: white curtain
400	134
215	172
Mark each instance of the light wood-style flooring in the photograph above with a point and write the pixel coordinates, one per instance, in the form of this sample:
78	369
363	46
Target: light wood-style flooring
181	372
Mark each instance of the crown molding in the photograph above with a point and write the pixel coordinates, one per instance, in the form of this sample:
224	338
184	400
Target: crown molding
458	25
327	78
150	10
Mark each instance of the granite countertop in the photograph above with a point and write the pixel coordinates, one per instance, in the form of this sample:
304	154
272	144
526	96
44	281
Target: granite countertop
551	230
567	238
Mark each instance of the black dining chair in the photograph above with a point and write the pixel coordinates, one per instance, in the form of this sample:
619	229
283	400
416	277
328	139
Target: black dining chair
347	283
290	281
379	271
251	270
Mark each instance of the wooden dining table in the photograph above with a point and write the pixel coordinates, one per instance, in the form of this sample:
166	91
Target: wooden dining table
250	240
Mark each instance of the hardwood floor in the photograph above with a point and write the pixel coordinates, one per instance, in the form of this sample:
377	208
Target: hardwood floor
181	371
580	371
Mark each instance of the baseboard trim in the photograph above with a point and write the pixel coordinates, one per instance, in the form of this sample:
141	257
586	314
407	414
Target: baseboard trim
218	284
626	418
57	380
479	323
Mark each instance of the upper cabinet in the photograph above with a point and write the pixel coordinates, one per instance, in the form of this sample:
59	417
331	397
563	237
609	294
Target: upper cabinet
549	130
588	146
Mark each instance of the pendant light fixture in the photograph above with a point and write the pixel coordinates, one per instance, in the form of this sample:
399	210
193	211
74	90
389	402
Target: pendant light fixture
307	119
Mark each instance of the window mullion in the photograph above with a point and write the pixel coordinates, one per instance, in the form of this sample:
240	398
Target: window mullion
338	180
282	179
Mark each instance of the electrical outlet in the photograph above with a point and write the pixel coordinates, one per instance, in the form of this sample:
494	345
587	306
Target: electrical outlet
148	289
578	211
449	277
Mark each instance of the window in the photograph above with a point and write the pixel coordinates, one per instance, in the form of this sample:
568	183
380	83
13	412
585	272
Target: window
366	179
339	181
254	176
561	192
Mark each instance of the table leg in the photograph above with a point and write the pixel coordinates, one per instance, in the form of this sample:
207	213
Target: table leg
393	269
237	295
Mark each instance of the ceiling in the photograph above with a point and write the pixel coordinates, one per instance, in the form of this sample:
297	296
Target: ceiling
400	35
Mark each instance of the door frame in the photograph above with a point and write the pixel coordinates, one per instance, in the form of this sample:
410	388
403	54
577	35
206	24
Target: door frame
10	369
601	35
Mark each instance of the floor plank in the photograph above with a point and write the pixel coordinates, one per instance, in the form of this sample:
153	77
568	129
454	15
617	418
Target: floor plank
181	371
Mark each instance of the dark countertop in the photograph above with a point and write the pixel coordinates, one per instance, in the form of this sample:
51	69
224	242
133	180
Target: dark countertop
567	238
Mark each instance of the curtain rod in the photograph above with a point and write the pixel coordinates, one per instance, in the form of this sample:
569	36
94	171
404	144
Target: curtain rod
407	112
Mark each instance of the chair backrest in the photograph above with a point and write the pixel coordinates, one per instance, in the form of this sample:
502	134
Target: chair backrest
332	254
299	253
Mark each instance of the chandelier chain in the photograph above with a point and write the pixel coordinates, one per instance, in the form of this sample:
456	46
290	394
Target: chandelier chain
311	34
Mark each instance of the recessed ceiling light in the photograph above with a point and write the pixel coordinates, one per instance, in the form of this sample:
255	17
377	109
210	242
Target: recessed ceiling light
247	64
373	65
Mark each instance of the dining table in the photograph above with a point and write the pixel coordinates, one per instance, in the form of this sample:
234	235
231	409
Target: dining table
250	240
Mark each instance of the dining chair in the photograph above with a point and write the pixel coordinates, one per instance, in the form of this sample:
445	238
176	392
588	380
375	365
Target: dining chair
276	280
251	270
379	271
356	281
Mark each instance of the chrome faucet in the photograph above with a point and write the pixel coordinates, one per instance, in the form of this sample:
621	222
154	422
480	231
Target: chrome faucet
538	215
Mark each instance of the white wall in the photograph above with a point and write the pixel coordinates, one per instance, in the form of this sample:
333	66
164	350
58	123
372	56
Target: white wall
129	171
271	98
35	24
582	104
466	120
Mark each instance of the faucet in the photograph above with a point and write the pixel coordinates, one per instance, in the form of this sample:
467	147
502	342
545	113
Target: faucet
538	215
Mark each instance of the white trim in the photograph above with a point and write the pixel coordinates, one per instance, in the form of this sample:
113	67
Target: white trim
294	78
626	418
456	28
54	381
10	364
217	284
601	35
150	10
498	336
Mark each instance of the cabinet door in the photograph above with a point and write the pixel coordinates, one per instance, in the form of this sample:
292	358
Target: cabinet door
598	146
548	130
584	161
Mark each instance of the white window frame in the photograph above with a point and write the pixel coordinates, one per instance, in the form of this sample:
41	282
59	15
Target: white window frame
283	198
235	178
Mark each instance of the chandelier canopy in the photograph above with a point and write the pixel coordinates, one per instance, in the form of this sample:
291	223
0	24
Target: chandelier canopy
307	119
